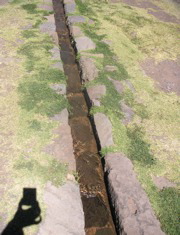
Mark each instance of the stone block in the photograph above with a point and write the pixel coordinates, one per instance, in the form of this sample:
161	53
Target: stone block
104	129
84	43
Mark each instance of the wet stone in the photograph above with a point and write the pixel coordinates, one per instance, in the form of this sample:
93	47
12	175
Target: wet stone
78	105
95	93
87	168
67	57
89	70
70	8
76	19
84	44
96	212
104	129
60	89
128	113
105	231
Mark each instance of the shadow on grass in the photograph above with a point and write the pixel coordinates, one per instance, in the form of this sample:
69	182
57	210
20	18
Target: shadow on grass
27	214
169	207
40	98
139	150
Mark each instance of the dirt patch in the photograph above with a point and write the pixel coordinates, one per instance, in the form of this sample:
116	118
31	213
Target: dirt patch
163	16
140	4
161	182
158	13
166	74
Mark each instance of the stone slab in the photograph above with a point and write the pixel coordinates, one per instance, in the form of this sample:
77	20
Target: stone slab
95	93
118	85
104	129
89	70
76	19
84	43
62	146
132	206
111	68
76	31
55	53
128	112
70	8
58	65
64	214
60	89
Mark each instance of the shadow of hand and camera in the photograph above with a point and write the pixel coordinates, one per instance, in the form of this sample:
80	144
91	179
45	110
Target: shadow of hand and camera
28	213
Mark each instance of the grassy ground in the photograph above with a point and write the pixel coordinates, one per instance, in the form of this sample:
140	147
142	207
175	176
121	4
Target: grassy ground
27	103
151	139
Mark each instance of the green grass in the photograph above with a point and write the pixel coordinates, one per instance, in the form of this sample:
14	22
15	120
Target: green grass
152	137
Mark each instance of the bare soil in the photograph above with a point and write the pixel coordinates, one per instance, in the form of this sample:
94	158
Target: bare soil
153	9
166	74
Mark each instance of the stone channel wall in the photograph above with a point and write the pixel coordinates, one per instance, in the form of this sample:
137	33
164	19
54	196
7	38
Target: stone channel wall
64	211
132	207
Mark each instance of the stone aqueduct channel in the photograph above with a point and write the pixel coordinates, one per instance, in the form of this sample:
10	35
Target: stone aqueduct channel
130	206
109	199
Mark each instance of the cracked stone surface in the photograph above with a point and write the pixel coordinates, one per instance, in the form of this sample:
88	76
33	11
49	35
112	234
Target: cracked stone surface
104	129
131	203
89	70
60	89
64	200
70	8
128	113
76	19
84	44
95	93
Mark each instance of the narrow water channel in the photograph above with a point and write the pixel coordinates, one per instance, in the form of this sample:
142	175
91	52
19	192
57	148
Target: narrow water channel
98	219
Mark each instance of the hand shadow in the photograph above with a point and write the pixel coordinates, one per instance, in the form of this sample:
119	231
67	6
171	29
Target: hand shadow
28	213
